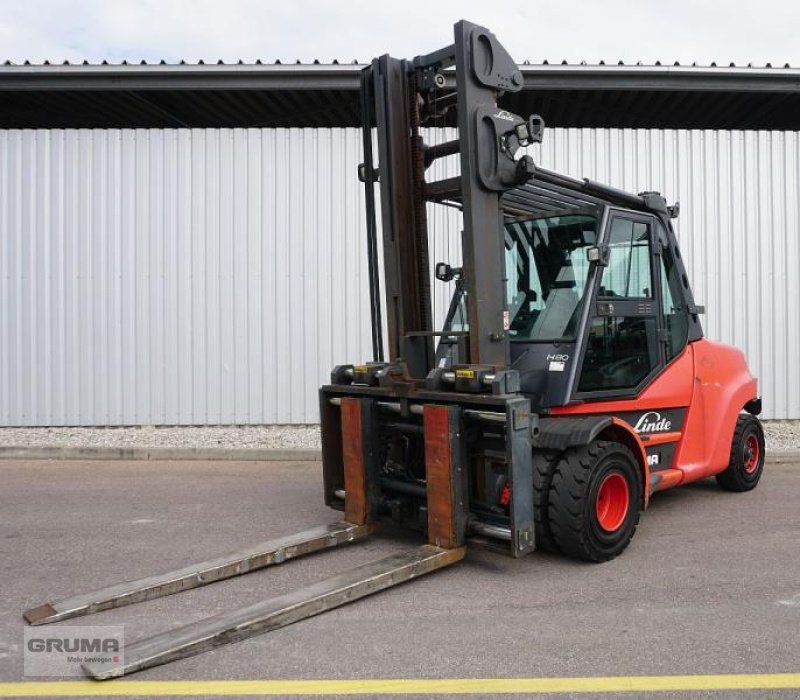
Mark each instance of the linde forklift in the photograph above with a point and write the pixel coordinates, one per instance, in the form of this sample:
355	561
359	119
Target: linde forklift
571	380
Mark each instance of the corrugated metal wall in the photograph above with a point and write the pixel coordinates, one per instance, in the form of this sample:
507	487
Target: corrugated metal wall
215	276
168	277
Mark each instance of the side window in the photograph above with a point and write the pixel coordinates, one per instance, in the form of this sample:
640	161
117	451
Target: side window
628	272
676	318
622	346
458	321
620	353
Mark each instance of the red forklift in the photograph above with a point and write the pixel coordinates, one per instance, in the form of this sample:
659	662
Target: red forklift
570	382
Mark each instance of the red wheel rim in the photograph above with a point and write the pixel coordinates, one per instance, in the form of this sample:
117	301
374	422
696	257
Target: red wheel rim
752	453
613	498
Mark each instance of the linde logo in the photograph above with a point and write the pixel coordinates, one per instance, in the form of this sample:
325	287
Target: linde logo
502	114
652	422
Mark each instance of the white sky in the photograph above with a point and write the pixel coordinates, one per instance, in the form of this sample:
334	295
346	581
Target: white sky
590	30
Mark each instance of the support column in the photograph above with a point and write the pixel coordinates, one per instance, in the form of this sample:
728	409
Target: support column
446	475
519	456
359	455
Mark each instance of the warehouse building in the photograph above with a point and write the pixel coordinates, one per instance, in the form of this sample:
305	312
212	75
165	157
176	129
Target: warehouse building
184	244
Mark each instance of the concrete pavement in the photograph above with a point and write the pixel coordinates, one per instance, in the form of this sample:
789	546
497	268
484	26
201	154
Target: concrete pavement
710	584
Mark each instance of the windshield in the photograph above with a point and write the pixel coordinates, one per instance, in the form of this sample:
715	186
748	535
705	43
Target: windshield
547	269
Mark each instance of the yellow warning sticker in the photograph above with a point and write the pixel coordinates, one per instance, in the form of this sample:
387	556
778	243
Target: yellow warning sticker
360	368
465	373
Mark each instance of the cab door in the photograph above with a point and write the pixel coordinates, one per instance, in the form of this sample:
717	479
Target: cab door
634	361
623	340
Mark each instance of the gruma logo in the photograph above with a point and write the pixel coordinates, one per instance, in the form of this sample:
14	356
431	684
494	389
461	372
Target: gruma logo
72	645
652	422
64	650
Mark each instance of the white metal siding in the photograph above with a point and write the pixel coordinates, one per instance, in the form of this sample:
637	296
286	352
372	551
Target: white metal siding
215	276
168	277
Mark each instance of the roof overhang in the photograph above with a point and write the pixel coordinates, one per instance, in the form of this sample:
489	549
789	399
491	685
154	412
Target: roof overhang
326	95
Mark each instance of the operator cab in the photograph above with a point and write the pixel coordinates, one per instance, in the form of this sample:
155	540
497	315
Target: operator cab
595	302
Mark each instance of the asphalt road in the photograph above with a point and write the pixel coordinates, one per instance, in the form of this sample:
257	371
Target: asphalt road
709	585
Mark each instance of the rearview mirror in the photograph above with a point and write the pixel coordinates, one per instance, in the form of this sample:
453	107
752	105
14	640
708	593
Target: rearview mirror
445	273
598	254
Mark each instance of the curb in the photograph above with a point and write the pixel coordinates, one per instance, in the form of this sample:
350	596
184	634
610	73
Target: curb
783	456
222	454
238	454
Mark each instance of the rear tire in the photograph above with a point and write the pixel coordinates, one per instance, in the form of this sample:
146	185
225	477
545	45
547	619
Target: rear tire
595	495
544	464
747	456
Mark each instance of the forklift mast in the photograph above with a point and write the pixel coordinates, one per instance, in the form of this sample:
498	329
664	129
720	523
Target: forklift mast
398	98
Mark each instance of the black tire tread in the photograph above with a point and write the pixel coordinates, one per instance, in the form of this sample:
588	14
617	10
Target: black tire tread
569	490
732	479
544	464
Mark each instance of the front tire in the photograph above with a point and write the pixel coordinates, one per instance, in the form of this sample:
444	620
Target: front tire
747	456
544	464
594	501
